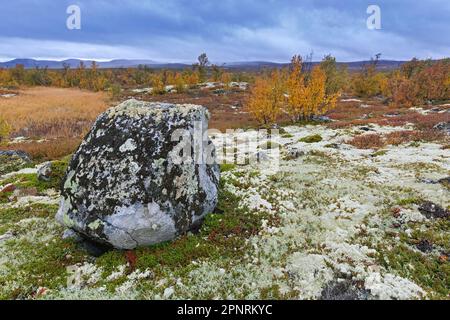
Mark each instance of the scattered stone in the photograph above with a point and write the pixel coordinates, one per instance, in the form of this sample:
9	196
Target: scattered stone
432	210
8	235
143	90
391	114
219	92
294	153
8	95
126	186
45	171
168	292
240	85
366	129
351	100
321	119
16	153
428	181
18	140
344	290
333	146
425	246
443	126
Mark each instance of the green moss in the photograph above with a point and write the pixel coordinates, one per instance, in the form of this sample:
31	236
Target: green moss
311	139
379	153
224	167
110	261
10	216
11	164
287	135
435	231
44	266
414	144
425	270
409	201
23	181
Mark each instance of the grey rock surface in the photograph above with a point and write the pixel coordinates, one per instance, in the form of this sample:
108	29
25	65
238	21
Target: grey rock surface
44	171
124	187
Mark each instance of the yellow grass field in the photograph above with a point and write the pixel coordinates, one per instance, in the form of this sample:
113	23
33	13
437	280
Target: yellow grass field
52	112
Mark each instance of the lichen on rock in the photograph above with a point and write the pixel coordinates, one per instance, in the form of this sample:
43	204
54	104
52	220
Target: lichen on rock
123	187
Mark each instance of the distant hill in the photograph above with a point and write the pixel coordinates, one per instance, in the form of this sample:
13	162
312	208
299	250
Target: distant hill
73	63
125	63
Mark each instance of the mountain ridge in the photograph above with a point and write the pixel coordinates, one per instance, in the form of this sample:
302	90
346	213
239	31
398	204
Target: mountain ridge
29	63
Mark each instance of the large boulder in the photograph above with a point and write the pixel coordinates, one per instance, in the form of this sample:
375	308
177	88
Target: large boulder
126	185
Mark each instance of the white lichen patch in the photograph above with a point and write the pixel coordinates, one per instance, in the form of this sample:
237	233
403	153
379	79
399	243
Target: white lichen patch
323	217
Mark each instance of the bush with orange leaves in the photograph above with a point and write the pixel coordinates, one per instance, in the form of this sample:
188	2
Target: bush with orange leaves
267	98
307	97
419	82
300	95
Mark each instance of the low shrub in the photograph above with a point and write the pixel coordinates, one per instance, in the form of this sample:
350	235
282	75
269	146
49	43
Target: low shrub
367	141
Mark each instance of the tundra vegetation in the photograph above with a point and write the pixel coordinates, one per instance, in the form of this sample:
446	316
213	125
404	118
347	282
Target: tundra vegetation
359	207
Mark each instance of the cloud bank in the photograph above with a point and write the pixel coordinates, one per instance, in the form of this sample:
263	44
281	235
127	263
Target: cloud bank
228	30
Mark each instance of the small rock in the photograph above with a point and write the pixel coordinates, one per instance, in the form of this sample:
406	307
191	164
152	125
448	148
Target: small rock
6	236
392	114
432	210
321	119
168	292
16	153
332	146
443	126
45	171
428	181
219	91
425	246
294	154
344	290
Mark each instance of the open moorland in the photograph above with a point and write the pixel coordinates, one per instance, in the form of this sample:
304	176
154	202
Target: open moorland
357	206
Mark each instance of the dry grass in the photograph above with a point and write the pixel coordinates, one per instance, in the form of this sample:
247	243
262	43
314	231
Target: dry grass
52	112
48	150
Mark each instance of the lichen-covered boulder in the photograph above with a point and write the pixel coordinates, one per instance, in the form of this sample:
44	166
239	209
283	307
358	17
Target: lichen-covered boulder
126	186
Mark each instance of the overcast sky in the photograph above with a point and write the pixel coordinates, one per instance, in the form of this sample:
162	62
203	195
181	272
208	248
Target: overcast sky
227	30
